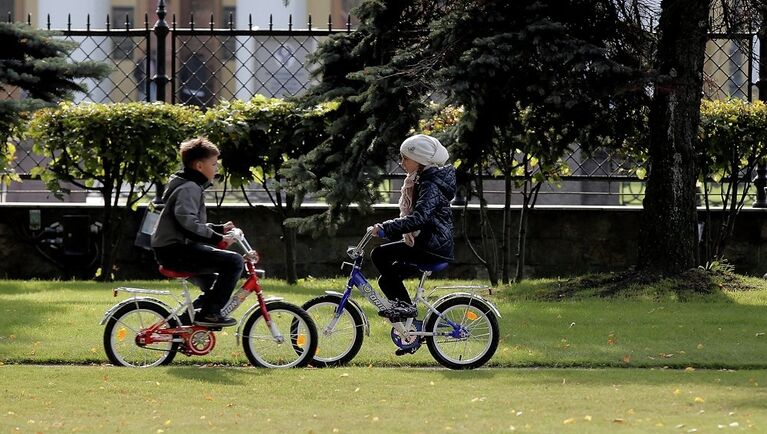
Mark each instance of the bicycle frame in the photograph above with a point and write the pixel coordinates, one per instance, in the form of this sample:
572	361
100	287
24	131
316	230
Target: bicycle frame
358	280
155	333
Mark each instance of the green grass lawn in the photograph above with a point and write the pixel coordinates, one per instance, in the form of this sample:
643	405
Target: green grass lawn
359	399
569	366
58	322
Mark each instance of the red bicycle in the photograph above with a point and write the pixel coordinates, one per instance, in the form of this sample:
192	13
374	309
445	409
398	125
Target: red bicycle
144	331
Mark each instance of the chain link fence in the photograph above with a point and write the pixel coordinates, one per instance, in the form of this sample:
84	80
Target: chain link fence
208	64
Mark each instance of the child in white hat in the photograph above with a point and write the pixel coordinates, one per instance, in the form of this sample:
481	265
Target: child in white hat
424	229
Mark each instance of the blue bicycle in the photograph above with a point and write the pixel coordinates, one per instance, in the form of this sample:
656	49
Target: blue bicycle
460	329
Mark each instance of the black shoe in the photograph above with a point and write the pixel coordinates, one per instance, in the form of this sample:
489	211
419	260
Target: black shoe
399	311
184	317
214	320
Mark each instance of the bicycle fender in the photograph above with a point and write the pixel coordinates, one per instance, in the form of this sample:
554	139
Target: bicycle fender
114	308
248	312
463	294
357	307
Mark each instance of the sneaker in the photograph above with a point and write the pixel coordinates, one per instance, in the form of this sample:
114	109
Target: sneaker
214	320
399	311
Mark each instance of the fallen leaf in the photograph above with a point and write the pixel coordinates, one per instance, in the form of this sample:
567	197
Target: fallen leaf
699	400
569	421
587	417
618	420
677	392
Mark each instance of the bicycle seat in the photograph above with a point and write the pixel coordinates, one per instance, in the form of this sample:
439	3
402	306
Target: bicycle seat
436	266
172	274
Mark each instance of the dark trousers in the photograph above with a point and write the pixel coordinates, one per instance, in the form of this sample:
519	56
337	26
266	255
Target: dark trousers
388	259
216	271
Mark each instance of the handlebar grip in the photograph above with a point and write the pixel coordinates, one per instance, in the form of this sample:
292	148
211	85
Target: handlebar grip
381	233
222	245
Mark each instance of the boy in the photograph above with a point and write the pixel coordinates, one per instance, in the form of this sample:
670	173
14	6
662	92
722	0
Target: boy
184	241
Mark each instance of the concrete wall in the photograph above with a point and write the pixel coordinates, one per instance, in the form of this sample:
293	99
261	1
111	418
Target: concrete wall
562	242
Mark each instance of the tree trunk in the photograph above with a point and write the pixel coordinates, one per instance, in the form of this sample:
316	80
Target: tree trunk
489	245
107	252
506	245
521	242
668	233
289	240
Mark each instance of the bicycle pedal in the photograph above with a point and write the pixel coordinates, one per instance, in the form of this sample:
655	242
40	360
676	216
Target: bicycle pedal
402	352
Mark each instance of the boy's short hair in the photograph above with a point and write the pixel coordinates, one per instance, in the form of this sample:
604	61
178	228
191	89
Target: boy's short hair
195	149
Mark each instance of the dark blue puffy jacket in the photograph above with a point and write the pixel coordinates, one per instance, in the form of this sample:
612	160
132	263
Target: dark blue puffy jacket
434	189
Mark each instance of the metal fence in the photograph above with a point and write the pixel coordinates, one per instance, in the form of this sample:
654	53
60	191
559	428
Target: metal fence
204	64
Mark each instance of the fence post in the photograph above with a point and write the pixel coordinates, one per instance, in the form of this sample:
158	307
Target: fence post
161	31
760	182
160	78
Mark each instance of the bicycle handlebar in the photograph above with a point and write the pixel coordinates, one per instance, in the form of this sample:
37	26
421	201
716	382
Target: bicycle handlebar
239	238
358	250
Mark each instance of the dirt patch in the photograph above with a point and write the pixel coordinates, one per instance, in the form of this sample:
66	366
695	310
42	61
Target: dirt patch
692	282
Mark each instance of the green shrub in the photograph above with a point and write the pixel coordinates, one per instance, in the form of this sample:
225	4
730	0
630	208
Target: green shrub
118	150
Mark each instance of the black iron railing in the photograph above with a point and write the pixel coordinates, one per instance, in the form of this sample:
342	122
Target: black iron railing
204	64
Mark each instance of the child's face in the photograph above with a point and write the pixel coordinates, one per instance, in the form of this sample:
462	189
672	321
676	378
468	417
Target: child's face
409	165
207	166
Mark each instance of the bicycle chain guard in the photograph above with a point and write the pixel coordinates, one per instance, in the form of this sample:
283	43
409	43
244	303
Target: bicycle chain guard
198	342
411	342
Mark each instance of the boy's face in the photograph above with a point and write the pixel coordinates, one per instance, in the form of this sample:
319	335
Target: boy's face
207	166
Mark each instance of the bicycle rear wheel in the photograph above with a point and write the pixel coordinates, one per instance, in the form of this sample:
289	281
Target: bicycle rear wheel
298	331
124	325
474	339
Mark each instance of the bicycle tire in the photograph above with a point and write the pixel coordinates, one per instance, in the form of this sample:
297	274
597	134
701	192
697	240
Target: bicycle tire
468	352
322	309
119	342
295	352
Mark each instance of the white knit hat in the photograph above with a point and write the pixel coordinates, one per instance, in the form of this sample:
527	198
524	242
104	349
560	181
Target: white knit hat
424	150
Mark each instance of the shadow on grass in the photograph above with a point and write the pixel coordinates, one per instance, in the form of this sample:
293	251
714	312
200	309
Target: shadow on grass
217	374
469	374
17	317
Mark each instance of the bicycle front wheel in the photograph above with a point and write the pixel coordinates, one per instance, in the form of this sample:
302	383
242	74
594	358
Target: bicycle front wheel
293	348
466	336
339	345
123	326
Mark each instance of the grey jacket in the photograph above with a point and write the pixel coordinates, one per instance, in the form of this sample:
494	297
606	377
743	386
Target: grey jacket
183	219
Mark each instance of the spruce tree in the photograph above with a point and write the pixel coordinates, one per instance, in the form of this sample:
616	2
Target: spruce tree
378	105
37	64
